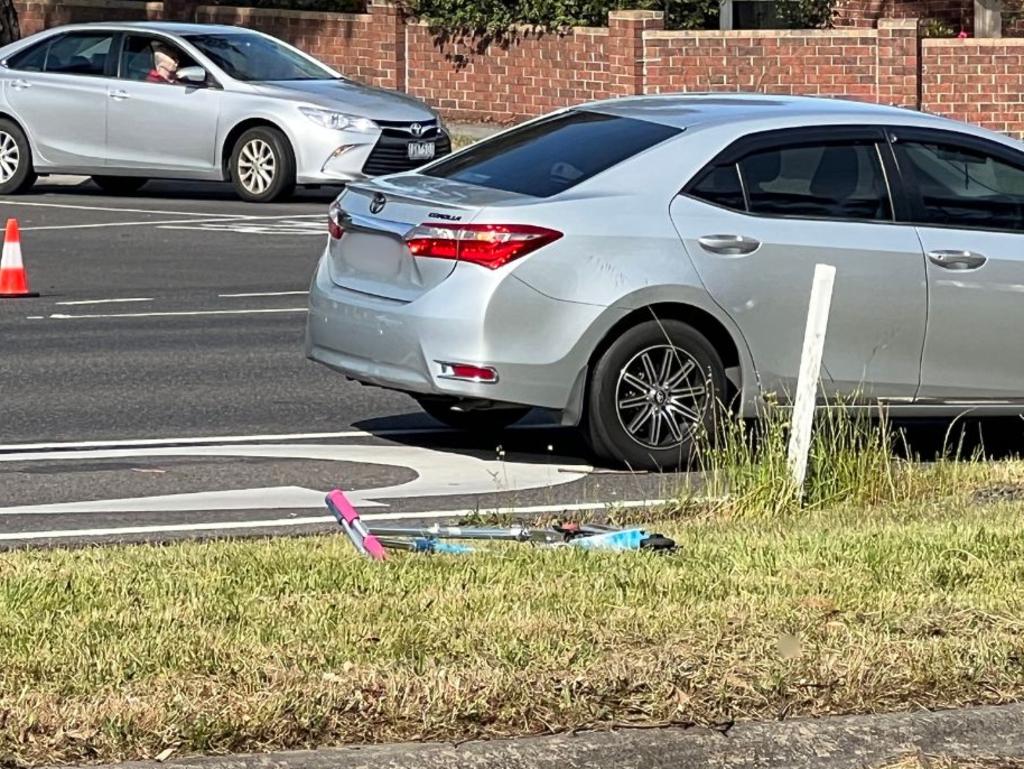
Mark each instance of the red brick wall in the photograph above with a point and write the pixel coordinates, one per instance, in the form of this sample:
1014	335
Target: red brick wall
537	74
978	80
866	13
37	15
834	63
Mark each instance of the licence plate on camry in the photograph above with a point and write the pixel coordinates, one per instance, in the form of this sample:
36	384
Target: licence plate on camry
422	150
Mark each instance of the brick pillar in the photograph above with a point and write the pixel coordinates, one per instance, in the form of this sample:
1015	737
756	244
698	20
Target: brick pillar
899	63
387	31
180	10
626	49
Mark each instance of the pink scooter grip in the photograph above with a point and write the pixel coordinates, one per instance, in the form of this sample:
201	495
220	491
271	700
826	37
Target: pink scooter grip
361	537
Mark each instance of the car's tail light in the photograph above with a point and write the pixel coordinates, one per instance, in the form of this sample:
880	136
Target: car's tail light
489	245
468	372
334	227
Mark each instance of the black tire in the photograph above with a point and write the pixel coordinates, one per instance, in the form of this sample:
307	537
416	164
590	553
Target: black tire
270	147
119	185
16	171
477	421
675	407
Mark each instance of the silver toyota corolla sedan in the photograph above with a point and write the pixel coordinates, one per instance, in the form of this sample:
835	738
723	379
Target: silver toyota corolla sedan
632	263
125	103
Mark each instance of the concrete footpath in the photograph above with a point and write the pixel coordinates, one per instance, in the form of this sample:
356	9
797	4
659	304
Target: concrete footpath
849	742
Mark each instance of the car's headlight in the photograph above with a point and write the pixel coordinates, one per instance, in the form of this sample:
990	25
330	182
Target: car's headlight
339	121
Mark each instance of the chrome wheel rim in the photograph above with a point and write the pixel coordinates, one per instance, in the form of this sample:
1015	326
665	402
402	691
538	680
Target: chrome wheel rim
257	166
661	396
10	157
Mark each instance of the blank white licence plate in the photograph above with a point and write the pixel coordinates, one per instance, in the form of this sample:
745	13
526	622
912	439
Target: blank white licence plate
422	150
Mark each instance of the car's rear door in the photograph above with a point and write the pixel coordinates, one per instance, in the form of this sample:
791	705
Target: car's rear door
155	128
62	99
968	201
758	219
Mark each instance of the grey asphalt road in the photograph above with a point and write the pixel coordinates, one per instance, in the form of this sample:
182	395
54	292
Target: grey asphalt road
172	320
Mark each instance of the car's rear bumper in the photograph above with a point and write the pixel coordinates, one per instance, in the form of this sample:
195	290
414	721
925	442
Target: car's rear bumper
538	345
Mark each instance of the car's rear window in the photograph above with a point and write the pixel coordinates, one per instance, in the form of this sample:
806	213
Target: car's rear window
550	156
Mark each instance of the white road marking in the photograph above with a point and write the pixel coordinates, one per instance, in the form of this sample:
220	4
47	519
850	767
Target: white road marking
101	225
35	317
251	227
264	293
226	439
438	473
317	520
107	301
182	313
71	207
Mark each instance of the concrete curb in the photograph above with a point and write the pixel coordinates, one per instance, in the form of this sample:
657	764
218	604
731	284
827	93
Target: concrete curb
848	742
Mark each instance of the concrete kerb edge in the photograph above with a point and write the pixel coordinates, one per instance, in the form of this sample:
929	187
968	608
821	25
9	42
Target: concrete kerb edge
841	742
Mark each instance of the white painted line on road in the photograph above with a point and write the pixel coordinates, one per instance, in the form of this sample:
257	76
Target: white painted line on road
107	301
71	207
35	317
317	520
227	439
60	316
264	293
100	225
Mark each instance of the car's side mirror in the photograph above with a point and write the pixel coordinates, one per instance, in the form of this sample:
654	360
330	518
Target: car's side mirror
192	75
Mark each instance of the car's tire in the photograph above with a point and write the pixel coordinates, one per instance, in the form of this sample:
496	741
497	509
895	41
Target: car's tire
263	166
476	421
654	395
119	185
16	171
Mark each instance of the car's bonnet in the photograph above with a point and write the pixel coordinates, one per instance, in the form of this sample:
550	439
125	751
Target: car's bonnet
345	96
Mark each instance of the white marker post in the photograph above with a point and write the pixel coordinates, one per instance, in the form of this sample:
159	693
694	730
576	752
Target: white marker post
810	370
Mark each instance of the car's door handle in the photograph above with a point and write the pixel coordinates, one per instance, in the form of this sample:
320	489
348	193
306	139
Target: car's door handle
957	260
729	244
20	85
118	95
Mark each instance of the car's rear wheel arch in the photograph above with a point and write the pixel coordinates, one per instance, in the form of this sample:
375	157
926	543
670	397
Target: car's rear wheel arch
700	320
237	132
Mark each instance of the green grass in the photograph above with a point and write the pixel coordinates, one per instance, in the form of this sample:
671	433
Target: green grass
120	653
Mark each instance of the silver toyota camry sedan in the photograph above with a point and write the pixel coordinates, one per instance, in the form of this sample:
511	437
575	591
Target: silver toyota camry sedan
634	263
125	103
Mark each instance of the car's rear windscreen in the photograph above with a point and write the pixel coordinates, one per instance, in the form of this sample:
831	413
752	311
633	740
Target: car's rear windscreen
550	156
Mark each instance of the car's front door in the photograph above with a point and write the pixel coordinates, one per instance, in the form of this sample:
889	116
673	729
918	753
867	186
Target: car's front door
967	197
772	206
59	93
155	126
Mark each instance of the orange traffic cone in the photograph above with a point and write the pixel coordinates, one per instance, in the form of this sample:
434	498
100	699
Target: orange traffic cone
13	280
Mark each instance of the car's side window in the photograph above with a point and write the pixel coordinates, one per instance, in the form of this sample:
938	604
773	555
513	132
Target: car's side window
720	186
31	59
963	187
842	181
80	54
152	60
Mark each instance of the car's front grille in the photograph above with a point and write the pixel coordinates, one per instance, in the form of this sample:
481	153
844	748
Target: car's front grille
391	153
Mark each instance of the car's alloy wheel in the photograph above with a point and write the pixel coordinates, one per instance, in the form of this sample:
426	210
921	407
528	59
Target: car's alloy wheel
257	167
660	396
262	165
10	157
16	173
653	397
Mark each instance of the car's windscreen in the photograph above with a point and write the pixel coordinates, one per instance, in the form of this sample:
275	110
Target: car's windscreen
254	58
553	155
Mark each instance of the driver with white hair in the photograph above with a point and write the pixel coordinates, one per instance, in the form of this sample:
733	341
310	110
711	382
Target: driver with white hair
165	66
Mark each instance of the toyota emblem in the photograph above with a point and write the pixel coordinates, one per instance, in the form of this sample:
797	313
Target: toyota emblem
378	203
416	130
